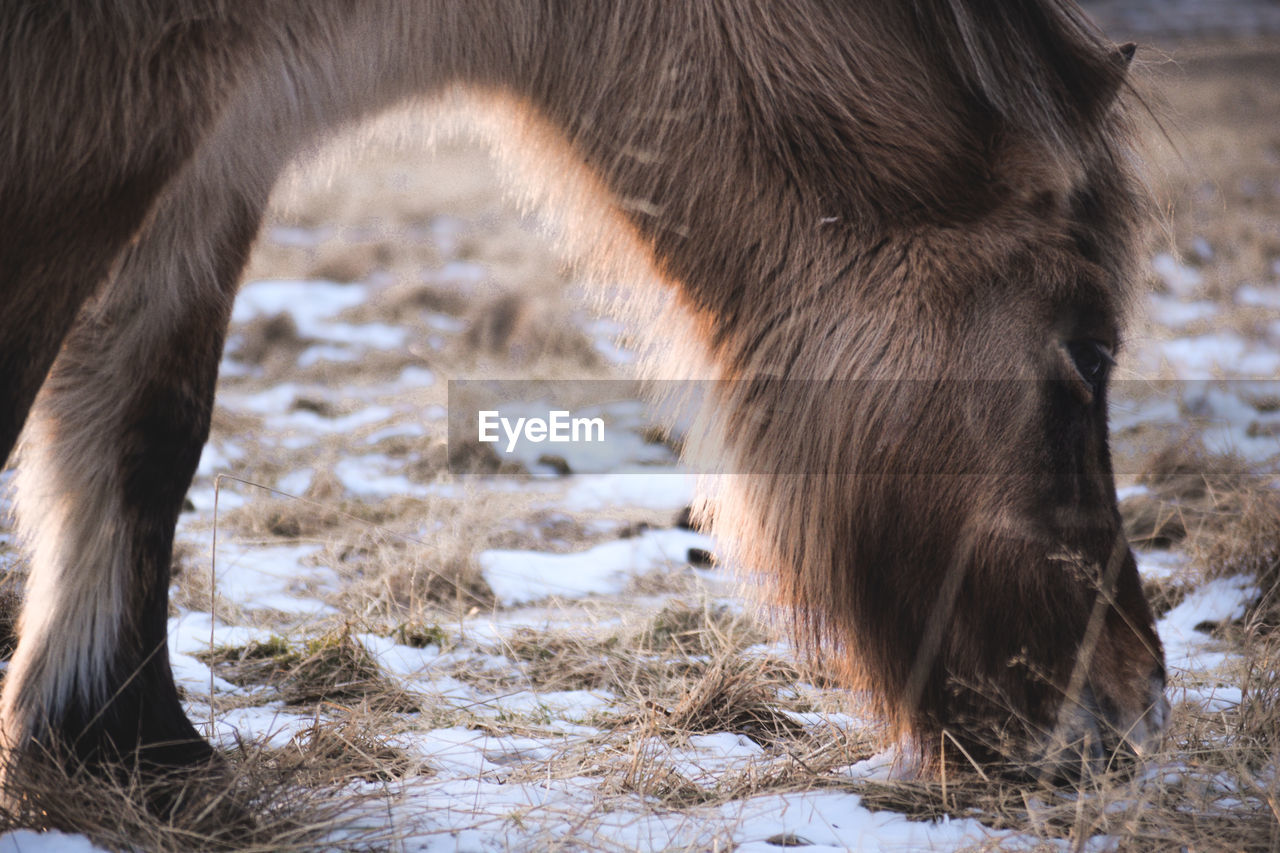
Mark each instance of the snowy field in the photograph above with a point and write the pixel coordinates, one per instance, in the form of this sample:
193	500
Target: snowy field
539	659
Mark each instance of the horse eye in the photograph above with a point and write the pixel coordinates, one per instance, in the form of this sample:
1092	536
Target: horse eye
1092	360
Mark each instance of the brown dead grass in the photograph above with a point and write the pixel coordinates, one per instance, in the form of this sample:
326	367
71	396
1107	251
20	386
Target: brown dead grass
355	749
525	331
248	800
654	664
273	339
1224	512
334	670
736	697
394	578
1191	493
12	586
1214	162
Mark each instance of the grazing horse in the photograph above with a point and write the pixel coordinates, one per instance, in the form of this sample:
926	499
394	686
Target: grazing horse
902	229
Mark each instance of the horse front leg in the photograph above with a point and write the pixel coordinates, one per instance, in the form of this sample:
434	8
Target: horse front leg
109	451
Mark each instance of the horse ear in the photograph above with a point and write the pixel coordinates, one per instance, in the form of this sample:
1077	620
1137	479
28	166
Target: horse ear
1121	59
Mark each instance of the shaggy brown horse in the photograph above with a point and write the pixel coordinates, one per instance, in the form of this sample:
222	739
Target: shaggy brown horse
922	209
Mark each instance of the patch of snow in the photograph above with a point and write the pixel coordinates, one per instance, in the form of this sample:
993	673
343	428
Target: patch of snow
296	482
1221	353
1210	699
415	377
46	841
229	368
1173	312
1126	413
1136	490
189	633
884	766
838	821
274	400
268	725
195	677
708	756
405	662
1204	252
312	305
1219	600
647	488
203	499
517	577
457	272
1160	565
1179	278
326	352
444	323
605	333
370	335
563	705
370	476
477	753
303	238
272	576
214	459
308	303
1259	296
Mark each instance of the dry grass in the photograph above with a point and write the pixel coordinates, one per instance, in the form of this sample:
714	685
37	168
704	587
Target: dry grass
1213	161
740	697
654	664
1221	511
396	579
1190	493
355	749
332	670
250	799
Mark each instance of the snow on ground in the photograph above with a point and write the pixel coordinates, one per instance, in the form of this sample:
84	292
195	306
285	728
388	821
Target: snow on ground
490	816
30	841
1183	630
276	577
661	489
518	577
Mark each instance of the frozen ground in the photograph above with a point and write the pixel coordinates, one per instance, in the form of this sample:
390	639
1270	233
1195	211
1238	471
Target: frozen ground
341	519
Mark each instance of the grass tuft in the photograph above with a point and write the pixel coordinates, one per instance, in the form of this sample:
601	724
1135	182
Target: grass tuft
332	669
245	800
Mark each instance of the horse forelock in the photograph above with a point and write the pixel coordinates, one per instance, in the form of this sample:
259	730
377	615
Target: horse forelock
1041	64
905	113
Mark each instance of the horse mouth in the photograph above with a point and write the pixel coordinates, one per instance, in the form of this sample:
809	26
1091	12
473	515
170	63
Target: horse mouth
1095	735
